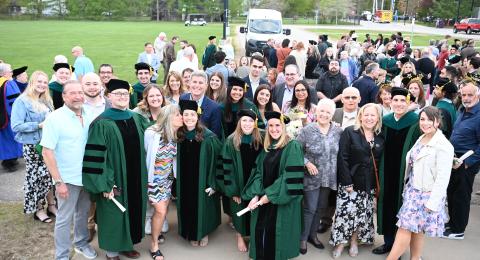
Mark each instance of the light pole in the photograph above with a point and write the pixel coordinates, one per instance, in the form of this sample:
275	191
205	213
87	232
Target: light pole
225	18
458	11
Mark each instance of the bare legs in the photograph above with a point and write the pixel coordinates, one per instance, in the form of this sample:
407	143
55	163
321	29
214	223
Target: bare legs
403	240
241	245
160	211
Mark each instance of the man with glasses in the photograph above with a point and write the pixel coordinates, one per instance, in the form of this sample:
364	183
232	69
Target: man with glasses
144	73
332	83
283	93
64	137
106	74
254	79
346	115
114	167
366	84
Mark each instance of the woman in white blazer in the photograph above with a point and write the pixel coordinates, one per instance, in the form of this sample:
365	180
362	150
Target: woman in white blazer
161	147
427	174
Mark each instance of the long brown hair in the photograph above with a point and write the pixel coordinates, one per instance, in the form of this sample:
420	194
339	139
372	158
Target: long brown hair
167	90
199	129
238	133
421	95
143	104
222	91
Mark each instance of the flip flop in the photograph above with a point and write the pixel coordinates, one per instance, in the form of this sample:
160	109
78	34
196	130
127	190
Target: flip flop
156	254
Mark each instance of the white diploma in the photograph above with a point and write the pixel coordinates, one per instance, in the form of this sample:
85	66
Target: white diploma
122	208
247	209
465	156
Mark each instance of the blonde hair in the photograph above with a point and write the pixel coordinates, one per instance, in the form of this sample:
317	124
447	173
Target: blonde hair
238	133
167	90
43	102
164	123
358	122
282	141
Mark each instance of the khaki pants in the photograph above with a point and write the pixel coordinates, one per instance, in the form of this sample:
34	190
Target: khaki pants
91	215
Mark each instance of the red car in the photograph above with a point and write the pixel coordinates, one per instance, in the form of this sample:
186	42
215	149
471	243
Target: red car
468	25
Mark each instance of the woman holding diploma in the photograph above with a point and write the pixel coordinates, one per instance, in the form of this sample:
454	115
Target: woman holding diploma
239	154
276	188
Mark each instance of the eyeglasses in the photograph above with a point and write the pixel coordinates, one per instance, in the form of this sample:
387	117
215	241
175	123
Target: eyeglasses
121	94
350	97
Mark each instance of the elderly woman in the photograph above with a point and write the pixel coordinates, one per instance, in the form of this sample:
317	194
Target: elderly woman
174	87
361	147
320	146
153	100
28	113
429	164
275	190
161	148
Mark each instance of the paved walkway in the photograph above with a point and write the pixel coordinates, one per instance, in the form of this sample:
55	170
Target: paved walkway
223	244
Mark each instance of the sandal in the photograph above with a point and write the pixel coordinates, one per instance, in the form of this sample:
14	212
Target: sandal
337	251
204	242
156	254
50	212
46	219
353	251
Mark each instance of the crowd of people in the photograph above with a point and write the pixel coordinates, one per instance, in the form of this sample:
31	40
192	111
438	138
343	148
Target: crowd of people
305	136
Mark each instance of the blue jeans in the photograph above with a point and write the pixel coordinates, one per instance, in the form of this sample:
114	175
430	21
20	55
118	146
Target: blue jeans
75	207
315	202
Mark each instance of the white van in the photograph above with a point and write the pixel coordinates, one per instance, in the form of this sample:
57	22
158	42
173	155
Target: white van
262	24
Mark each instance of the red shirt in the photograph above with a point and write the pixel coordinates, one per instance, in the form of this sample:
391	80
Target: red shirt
441	59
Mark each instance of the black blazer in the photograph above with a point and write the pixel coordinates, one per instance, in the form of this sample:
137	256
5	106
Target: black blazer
249	95
354	162
279	90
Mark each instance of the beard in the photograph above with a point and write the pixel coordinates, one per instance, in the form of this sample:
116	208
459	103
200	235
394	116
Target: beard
92	96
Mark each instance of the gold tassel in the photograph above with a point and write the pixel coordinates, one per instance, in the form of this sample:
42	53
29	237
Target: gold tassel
199	110
282	119
151	70
130	90
70	67
245	87
408	98
256	122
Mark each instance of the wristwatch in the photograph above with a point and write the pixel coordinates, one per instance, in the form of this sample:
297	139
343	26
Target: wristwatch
57	182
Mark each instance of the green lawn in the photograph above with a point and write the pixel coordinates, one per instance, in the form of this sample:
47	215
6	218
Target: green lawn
418	39
35	43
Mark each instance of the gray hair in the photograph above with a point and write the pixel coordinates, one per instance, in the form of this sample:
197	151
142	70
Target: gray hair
327	102
68	83
60	59
199	73
4	68
354	89
371	68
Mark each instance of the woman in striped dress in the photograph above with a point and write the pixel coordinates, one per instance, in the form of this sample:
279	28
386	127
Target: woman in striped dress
161	148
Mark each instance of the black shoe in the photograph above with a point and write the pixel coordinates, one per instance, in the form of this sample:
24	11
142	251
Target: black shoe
322	228
303	250
316	243
383	249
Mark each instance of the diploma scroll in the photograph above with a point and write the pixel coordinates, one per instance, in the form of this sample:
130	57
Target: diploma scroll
247	209
122	208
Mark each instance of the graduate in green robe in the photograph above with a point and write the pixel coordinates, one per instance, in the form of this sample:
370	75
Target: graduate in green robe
400	130
198	207
275	191
235	102
238	155
63	73
112	170
207	58
445	91
144	73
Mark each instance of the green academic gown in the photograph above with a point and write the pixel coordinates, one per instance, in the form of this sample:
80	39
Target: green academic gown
207	59
282	216
137	95
449	116
400	136
56	90
198	214
229	127
106	163
237	166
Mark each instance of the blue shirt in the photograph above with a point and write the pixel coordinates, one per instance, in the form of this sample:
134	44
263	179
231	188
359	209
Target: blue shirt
64	134
83	65
218	68
466	134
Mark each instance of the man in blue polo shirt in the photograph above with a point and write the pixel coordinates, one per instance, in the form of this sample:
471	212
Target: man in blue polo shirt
465	137
65	133
83	64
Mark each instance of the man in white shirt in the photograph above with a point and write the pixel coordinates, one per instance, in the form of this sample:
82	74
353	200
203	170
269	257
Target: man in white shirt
185	62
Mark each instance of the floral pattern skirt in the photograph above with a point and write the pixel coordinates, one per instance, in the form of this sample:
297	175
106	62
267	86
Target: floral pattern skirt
354	213
38	181
415	217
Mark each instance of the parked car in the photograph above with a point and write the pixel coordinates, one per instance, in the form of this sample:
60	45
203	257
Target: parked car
468	25
366	15
195	19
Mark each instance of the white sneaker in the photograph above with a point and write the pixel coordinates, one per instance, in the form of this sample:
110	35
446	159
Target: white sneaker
148	226
165	226
87	252
450	235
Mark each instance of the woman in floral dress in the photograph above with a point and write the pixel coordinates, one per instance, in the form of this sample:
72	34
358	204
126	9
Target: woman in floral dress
423	212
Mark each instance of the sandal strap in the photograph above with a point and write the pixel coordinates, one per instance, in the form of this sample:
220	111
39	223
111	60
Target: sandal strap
156	254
